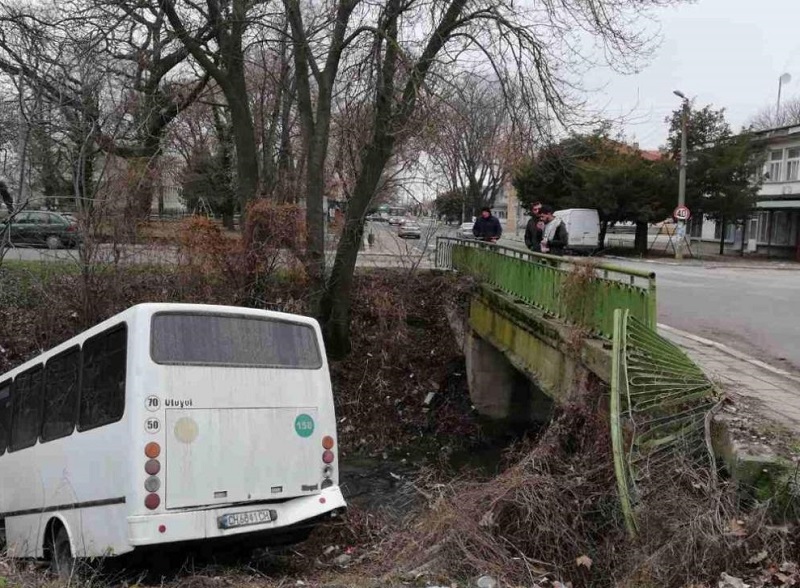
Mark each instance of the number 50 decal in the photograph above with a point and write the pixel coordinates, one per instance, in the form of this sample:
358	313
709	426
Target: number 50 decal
152	425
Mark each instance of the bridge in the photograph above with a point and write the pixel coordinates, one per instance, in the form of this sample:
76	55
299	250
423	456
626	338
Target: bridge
548	319
537	325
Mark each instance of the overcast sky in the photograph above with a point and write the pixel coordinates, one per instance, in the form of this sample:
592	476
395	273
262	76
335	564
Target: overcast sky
726	52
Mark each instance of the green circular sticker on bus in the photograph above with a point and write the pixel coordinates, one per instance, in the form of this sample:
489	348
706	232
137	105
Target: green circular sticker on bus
304	425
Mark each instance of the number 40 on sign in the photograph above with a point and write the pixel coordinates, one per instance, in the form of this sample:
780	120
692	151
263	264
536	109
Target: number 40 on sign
682	213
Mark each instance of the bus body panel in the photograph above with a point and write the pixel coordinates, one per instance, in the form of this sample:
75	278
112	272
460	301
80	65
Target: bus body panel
230	455
73	474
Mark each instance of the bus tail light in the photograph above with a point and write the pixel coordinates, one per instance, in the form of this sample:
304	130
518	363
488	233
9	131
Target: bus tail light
327	442
327	456
152	501
152	450
152	467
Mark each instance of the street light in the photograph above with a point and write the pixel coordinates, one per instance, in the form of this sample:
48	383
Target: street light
682	176
784	79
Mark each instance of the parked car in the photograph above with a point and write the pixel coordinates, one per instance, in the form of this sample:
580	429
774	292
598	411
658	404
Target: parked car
396	220
43	228
465	231
409	230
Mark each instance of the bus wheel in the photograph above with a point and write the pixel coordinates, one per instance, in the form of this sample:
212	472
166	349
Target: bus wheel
62	563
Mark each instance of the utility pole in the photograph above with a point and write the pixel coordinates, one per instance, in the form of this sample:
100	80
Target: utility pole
681	230
784	79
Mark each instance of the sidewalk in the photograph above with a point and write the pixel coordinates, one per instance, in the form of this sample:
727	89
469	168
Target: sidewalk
776	392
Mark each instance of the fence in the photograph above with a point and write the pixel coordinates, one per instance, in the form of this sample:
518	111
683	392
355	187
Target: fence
578	292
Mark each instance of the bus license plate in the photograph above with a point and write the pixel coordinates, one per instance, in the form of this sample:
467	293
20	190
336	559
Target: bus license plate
243	519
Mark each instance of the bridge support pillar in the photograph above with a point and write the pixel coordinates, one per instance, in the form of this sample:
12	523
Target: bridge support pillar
498	390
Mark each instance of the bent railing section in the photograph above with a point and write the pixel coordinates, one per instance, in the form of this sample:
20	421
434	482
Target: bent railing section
659	409
583	293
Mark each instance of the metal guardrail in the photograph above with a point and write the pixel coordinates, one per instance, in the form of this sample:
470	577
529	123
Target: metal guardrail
659	408
579	292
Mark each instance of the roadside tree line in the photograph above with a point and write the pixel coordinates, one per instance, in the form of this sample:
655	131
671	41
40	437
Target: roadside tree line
286	100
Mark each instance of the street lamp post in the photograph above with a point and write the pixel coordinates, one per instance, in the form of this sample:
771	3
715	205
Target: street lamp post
681	231
784	79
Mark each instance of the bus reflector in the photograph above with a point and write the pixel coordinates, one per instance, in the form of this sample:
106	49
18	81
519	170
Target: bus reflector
327	457
327	442
162	528
152	484
152	450
152	501
152	467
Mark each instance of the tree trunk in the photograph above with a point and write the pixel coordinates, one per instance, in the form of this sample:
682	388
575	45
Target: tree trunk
244	138
601	237
337	300
722	236
640	239
315	218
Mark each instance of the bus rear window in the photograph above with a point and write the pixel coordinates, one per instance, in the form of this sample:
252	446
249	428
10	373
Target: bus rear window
234	341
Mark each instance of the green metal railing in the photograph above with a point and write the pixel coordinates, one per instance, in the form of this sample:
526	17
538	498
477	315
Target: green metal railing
581	293
659	409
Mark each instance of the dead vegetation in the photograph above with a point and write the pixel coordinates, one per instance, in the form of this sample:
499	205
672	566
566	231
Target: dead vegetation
551	515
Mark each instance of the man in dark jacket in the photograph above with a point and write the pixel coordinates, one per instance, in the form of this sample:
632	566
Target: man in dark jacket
555	237
534	229
487	227
6	197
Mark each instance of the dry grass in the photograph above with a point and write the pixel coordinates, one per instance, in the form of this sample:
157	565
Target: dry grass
577	293
553	514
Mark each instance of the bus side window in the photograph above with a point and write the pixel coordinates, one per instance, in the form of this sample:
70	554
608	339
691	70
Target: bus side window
102	398
61	394
26	417
5	415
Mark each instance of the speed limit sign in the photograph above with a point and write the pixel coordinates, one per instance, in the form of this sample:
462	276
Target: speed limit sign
682	213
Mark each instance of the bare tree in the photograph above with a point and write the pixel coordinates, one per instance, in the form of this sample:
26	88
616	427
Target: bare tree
770	117
227	23
397	51
476	139
92	56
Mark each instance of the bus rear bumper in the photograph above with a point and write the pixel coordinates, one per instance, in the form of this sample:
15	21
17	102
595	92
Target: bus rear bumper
182	526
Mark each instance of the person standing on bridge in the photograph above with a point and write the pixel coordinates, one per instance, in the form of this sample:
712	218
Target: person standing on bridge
555	237
534	230
487	227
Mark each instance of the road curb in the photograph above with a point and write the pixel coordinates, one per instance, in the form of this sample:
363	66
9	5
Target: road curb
730	351
710	264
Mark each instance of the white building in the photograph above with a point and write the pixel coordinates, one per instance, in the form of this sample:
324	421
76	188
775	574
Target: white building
773	228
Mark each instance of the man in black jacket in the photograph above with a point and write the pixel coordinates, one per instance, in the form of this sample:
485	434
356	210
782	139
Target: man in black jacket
6	197
487	227
534	229
555	237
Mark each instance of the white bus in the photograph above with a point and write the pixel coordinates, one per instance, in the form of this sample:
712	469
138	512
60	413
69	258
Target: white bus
168	423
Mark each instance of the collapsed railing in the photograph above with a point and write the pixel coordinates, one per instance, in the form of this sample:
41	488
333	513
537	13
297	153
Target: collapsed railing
660	407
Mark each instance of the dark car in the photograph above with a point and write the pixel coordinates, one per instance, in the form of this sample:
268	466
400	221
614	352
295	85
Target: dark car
36	227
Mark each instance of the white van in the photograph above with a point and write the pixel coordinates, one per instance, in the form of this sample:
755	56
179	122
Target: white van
583	228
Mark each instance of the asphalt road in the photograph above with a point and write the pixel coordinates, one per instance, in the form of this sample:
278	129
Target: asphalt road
752	309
